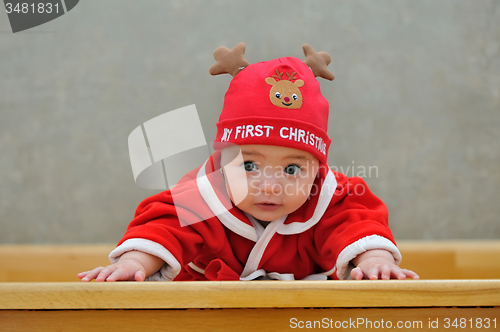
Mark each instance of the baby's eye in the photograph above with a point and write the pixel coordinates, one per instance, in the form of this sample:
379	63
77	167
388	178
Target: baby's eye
249	166
292	169
294	96
277	95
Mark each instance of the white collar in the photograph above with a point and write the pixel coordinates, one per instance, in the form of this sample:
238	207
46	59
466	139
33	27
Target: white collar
325	196
219	210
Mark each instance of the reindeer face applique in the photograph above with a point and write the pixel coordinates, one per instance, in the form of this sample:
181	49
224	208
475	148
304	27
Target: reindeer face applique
285	93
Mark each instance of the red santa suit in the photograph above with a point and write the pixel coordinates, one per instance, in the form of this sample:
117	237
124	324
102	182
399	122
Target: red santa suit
201	235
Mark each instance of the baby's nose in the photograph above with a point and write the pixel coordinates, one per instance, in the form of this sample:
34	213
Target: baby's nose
287	99
271	186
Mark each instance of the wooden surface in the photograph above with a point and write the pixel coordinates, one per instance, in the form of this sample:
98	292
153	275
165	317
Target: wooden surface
452	259
33	263
252	294
431	260
230	320
43	294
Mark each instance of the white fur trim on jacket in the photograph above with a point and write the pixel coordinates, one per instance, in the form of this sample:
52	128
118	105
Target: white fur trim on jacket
167	273
325	196
364	244
219	210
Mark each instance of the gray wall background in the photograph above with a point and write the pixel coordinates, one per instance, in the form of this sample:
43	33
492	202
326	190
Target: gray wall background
416	94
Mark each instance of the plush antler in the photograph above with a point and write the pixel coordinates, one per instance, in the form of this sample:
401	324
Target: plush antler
318	61
229	61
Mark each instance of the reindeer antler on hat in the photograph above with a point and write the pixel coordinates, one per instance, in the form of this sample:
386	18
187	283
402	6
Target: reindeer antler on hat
318	61
232	61
229	61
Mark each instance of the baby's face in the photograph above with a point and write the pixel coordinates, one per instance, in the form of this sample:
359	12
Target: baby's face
268	181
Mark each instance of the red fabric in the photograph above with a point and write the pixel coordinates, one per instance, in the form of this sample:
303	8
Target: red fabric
218	270
249	115
353	213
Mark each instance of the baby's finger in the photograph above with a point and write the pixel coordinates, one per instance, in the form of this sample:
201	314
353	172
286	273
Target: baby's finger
105	272
90	275
402	274
117	274
373	273
140	275
410	273
385	272
127	273
397	273
357	273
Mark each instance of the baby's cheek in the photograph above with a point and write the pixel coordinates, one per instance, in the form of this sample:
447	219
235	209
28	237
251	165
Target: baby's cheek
237	187
308	188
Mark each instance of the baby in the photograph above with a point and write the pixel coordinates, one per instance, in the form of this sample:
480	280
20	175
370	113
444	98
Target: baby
265	205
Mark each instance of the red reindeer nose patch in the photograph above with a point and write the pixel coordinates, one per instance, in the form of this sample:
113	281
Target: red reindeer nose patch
285	93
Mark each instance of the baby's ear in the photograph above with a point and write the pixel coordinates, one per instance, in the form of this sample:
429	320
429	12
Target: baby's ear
299	83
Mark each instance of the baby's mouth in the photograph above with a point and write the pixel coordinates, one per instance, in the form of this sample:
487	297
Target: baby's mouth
268	206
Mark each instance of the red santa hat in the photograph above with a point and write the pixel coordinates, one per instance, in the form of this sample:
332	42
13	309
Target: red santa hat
276	102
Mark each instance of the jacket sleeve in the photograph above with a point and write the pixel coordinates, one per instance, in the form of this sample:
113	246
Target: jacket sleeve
165	225
356	221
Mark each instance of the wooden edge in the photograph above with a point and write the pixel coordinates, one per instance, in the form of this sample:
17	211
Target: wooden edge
258	294
262	319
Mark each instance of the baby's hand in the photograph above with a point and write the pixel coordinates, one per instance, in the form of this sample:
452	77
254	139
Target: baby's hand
128	270
379	264
132	266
